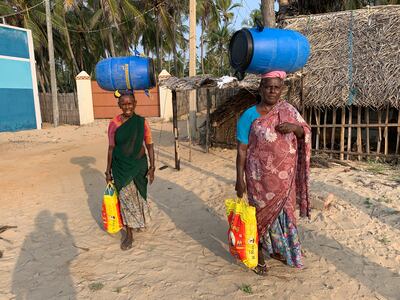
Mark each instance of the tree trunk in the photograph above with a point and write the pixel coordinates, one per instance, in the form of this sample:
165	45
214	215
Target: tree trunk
268	13
41	82
111	43
45	77
221	59
175	54
203	25
157	38
71	52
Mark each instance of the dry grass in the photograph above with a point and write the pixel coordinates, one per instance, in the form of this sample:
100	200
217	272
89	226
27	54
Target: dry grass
354	58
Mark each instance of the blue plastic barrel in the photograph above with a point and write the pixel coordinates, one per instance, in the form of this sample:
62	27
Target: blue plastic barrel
125	73
263	50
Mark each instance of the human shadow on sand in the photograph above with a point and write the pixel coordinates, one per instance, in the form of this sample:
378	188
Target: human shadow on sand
42	269
370	274
202	224
94	182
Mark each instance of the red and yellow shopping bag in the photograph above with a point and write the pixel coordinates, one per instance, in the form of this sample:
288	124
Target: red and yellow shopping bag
242	234
111	214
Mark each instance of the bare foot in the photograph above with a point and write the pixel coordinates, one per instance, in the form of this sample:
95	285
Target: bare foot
126	244
261	270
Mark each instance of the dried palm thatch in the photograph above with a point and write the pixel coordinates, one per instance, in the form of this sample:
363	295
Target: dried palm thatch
188	83
354	58
251	82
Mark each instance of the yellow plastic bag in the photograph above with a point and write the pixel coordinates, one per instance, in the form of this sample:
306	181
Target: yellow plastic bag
242	234
111	214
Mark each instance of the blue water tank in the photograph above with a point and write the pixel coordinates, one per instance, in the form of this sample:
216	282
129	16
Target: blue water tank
261	50
126	73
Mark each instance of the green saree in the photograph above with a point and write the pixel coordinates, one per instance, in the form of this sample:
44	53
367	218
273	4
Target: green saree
127	166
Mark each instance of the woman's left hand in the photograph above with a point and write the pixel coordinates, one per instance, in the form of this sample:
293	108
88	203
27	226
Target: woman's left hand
285	128
150	174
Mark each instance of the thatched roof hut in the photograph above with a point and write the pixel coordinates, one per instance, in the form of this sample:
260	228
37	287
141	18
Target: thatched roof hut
349	91
355	58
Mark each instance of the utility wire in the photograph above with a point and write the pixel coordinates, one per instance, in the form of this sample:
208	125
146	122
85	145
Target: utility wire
115	25
22	11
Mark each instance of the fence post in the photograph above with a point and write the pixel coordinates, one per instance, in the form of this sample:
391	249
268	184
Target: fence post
85	98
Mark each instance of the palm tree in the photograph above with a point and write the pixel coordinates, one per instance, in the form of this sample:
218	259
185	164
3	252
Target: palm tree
250	21
207	14
225	10
219	42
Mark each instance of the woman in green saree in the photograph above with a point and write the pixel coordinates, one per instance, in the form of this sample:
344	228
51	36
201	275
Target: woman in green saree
129	134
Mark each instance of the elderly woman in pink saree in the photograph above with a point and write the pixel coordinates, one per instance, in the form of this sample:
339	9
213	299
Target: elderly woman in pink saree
273	165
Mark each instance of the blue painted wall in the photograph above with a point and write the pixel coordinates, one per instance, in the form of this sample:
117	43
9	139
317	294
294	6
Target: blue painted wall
13	42
17	108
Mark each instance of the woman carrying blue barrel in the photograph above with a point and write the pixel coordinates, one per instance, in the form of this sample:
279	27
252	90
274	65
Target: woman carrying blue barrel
273	157
273	166
129	134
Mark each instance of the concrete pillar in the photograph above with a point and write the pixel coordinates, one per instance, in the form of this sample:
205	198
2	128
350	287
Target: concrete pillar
165	98
85	98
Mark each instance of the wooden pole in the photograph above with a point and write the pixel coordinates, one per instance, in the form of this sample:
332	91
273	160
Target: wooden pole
53	79
398	132
268	13
342	133
324	130
367	133
176	130
208	119
349	132
378	143
192	38
333	130
317	119
192	68
359	136
189	131
386	134
355	125
355	153
302	97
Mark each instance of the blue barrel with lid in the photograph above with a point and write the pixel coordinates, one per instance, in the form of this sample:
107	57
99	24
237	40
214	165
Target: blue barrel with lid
126	73
261	50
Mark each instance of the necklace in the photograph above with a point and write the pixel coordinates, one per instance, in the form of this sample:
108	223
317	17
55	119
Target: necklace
123	118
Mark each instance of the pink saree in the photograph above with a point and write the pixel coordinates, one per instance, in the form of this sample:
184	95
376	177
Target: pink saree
278	167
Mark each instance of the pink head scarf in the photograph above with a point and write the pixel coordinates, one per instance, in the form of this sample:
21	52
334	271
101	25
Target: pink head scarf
274	74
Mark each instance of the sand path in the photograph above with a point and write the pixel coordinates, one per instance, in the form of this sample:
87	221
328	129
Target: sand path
51	187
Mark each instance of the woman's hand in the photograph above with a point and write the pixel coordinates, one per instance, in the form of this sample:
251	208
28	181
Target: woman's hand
108	176
240	188
150	174
286	128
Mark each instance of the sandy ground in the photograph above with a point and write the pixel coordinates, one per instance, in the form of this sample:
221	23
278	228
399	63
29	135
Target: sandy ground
51	188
